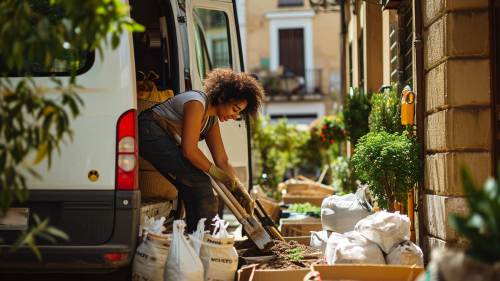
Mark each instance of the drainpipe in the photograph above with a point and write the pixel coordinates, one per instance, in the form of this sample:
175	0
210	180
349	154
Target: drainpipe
418	83
343	34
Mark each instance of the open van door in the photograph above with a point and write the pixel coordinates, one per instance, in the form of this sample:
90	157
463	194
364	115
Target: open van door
213	36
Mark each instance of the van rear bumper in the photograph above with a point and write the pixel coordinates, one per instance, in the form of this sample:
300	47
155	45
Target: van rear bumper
67	259
88	258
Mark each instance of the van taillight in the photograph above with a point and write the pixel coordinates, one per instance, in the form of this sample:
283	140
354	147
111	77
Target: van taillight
126	148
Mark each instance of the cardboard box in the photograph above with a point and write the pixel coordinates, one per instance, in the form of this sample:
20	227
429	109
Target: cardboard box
300	227
249	273
368	272
153	184
336	272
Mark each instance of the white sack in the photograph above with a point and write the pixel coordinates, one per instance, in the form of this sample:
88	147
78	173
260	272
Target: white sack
150	257
406	253
319	239
352	247
216	251
341	213
183	263
385	229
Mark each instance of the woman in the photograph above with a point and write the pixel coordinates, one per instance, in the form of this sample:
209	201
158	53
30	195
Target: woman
170	131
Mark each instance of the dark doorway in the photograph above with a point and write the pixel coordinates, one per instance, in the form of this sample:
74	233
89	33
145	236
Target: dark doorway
291	48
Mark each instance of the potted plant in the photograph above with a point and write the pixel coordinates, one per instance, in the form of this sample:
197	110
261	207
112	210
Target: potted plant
356	112
481	227
330	131
385	115
389	164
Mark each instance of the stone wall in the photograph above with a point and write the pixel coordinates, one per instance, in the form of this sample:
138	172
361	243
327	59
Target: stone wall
458	120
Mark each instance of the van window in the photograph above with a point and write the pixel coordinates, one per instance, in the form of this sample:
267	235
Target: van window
211	40
63	63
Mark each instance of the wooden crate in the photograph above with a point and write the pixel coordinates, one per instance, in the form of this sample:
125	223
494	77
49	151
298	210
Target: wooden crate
300	227
313	199
308	188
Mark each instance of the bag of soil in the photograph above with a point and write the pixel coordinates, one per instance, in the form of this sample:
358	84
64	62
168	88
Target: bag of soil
385	229
151	254
183	262
406	253
352	247
341	213
216	251
319	239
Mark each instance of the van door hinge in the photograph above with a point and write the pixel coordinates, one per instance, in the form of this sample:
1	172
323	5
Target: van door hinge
181	19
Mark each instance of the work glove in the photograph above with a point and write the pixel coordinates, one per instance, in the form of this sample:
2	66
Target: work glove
235	187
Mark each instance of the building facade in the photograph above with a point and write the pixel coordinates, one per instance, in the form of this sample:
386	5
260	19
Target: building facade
295	53
446	51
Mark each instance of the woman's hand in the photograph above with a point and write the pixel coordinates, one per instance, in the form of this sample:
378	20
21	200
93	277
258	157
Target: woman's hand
235	186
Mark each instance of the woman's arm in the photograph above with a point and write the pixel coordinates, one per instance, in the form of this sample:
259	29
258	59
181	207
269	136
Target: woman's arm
191	127
216	146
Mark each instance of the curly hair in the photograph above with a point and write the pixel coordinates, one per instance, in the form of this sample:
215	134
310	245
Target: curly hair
224	85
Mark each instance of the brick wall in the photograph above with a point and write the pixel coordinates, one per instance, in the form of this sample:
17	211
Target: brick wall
458	121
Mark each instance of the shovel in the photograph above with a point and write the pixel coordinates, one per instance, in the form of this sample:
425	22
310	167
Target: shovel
252	226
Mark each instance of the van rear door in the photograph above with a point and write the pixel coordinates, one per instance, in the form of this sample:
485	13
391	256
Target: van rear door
213	37
78	191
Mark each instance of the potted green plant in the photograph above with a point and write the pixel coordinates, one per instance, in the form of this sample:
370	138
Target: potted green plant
481	227
356	112
389	164
385	115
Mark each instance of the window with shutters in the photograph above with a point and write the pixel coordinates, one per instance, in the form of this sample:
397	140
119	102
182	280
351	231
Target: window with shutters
407	44
291	51
401	45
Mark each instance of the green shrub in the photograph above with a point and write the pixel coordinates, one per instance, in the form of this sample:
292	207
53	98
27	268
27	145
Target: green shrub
482	225
356	112
389	164
385	114
277	147
343	177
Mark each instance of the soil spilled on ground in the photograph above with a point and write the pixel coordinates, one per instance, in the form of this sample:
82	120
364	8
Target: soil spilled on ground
284	255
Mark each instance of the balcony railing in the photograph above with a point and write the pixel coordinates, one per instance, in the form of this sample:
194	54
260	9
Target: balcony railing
284	85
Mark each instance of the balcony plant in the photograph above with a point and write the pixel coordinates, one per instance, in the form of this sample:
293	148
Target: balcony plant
389	164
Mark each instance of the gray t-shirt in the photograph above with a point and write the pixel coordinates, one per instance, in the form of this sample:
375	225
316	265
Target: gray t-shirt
173	110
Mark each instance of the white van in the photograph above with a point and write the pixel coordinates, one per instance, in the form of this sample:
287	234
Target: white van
91	191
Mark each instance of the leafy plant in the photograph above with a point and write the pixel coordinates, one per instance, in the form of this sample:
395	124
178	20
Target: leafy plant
385	115
295	254
304	208
482	225
389	164
343	177
356	112
331	130
277	147
44	36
